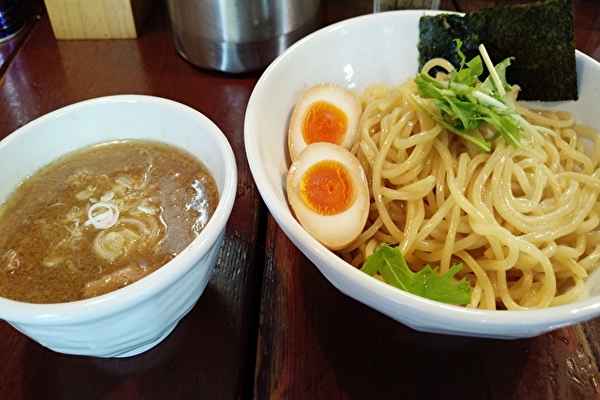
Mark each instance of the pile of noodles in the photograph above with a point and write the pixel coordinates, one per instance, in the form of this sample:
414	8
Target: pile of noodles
523	220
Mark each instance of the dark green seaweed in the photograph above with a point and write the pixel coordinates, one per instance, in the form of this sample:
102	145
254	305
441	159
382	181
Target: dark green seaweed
538	35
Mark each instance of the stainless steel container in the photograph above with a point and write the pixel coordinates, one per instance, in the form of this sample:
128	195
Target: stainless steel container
239	35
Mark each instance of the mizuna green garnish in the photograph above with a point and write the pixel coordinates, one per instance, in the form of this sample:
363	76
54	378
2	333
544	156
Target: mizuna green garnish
538	34
389	262
464	103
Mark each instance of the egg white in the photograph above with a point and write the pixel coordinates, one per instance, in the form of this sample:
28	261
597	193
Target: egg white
333	94
338	230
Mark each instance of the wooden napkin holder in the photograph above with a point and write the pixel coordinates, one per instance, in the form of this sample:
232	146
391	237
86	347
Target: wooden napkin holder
97	19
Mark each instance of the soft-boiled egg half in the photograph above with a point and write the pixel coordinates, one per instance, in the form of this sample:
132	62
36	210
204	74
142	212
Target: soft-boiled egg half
328	191
324	113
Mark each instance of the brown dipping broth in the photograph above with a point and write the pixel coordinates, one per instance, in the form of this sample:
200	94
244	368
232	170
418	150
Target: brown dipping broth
51	252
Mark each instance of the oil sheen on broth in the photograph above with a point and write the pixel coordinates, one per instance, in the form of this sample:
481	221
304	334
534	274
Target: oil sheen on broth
101	218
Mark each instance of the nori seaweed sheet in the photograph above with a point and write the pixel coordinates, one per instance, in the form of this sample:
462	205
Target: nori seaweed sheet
539	35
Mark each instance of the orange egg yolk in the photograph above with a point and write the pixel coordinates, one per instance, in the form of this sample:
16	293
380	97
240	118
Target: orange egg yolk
326	188
324	122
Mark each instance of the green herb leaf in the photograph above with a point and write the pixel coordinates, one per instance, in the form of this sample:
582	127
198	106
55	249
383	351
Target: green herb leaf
464	102
390	264
468	75
461	56
538	34
488	85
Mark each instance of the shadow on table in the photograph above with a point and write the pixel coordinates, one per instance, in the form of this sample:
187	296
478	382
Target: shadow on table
198	360
376	357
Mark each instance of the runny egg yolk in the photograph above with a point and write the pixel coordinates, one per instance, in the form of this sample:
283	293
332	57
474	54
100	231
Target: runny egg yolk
326	188
324	122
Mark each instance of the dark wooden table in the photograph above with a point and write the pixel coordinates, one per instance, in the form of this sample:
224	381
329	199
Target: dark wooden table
269	325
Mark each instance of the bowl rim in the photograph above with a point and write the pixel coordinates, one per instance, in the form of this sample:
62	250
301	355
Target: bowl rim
117	301
474	320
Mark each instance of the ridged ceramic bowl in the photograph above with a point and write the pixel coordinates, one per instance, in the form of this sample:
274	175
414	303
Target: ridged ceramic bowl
381	48
135	318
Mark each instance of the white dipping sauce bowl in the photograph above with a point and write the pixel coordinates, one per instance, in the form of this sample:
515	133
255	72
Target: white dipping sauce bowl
356	53
137	317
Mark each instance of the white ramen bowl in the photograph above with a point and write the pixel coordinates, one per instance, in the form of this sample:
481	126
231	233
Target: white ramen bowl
381	48
137	317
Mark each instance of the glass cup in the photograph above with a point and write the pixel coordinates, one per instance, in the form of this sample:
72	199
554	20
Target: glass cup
11	18
387	5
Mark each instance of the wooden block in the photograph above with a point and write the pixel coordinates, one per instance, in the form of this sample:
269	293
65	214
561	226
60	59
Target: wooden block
97	19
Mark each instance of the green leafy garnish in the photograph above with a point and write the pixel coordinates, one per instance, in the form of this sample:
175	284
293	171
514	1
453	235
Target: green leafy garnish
464	103
538	34
389	262
488	85
468	75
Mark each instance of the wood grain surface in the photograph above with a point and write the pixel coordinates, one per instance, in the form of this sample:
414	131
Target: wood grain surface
98	19
316	343
211	353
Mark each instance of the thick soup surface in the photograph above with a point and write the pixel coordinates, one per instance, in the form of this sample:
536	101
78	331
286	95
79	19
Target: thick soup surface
101	218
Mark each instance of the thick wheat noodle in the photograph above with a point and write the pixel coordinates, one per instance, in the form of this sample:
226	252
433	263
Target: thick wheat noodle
524	222
365	235
453	226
